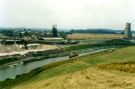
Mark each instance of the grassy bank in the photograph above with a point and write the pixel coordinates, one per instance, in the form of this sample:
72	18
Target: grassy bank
54	72
21	78
70	66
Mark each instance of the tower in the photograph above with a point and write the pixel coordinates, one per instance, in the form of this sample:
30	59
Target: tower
127	32
54	31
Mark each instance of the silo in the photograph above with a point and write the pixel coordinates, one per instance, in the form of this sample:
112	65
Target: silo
127	32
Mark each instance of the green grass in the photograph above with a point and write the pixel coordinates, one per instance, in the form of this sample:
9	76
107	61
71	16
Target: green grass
120	55
47	70
71	66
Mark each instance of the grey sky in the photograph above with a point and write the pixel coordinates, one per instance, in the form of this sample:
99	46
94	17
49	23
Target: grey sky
111	14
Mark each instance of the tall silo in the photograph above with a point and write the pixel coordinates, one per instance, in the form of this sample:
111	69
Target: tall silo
127	32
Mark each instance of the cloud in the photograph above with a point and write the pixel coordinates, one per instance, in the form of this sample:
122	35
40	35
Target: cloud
67	13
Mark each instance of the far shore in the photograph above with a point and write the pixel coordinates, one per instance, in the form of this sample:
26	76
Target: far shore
22	52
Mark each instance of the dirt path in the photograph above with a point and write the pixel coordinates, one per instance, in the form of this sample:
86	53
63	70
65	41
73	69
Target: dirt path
91	78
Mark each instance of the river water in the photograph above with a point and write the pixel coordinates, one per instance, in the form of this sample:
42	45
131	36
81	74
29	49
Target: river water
11	72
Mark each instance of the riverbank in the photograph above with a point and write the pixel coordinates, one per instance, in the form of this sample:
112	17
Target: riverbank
80	73
26	67
29	56
24	77
44	53
41	55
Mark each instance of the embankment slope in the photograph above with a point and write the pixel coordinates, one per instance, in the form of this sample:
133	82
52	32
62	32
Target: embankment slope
85	73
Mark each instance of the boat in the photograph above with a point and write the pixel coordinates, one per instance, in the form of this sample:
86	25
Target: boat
73	54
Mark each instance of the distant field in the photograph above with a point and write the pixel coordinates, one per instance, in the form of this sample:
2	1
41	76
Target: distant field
97	71
94	36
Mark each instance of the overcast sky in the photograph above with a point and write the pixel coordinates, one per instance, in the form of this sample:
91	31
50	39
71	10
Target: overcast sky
112	14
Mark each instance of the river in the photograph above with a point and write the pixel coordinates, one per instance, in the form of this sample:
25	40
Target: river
12	71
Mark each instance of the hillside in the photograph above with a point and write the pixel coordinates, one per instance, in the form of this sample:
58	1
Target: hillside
91	78
88	72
